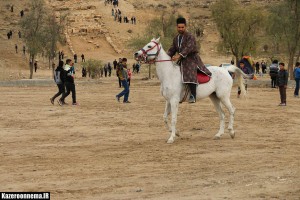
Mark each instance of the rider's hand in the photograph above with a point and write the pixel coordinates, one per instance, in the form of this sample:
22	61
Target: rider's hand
176	57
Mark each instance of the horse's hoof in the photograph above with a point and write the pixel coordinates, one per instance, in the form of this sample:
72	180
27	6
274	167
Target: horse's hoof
232	134
217	137
177	134
170	141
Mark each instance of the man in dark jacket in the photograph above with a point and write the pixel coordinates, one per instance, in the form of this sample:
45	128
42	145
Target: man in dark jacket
69	83
59	78
282	81
185	45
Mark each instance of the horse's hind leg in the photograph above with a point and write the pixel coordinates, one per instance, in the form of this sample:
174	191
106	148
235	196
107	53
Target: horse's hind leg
166	114
217	103
231	109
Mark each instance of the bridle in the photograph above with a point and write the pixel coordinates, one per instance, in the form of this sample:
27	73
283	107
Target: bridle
145	54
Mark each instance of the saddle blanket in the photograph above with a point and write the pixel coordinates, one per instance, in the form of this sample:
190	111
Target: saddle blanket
202	77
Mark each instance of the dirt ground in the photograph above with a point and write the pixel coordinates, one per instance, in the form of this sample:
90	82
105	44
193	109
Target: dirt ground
103	149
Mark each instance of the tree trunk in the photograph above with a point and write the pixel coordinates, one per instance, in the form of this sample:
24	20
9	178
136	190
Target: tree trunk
31	59
290	65
298	56
52	66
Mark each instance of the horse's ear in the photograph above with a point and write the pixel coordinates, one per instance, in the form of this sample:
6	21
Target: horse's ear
157	40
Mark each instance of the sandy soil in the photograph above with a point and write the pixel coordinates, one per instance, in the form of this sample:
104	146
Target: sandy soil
103	149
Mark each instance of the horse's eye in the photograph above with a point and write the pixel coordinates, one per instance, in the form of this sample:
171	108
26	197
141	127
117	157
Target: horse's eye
149	46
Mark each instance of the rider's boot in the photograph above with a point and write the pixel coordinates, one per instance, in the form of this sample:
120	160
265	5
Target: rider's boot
193	88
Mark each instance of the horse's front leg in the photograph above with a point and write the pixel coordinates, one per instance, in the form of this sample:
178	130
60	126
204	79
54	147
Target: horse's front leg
166	114
174	110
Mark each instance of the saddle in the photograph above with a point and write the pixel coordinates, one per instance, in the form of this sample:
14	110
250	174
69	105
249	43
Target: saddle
202	77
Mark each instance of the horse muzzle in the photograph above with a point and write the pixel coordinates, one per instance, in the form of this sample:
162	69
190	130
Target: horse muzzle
138	57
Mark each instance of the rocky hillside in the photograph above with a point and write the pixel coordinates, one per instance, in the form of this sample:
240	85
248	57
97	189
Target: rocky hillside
91	29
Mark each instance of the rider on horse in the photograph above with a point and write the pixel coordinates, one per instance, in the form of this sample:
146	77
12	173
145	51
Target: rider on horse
185	45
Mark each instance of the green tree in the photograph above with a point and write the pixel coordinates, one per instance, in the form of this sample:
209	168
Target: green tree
284	27
238	27
93	67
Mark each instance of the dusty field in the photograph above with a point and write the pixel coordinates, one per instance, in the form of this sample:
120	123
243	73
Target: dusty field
108	150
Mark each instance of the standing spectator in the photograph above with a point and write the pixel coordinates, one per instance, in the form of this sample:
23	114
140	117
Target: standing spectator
263	67
59	78
82	58
115	64
232	62
122	74
105	70
137	66
246	71
109	69
22	13
83	72
282	82
19	33
134	20
129	76
24	50
273	73
35	65
69	83
257	67
62	54
75	58
133	68
8	35
16	47
297	79
11	33
12	8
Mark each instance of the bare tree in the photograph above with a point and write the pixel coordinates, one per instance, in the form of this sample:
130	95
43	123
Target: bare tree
52	35
40	31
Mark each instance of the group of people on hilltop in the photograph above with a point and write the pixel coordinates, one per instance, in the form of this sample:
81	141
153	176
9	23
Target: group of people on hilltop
117	14
64	78
115	3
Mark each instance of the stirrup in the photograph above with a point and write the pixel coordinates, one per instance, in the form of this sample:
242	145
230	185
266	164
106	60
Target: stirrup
192	99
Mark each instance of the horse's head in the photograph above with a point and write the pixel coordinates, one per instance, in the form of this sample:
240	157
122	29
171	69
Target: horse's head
149	52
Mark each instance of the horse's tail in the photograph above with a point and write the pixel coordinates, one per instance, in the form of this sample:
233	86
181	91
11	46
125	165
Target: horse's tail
240	75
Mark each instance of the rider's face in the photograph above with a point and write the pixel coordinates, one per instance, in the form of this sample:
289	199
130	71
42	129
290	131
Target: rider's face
181	28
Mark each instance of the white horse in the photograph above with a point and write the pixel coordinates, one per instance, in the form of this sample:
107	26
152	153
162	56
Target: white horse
173	90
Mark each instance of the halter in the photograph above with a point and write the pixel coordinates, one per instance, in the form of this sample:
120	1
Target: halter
145	54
